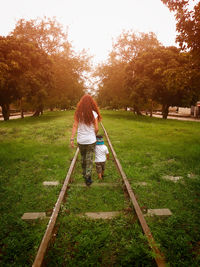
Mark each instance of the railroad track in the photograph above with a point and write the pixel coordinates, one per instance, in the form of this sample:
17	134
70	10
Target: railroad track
159	257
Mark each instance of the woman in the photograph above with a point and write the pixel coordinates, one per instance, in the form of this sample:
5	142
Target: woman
86	120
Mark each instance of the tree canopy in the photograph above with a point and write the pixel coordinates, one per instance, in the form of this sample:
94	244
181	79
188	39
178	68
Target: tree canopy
162	75
39	66
112	87
188	24
23	71
140	73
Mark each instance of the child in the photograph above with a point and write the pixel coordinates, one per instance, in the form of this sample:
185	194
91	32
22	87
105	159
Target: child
101	154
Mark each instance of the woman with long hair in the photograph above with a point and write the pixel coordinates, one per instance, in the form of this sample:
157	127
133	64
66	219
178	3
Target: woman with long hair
86	120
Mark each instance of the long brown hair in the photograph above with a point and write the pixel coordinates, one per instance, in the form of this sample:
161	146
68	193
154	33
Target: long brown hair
84	110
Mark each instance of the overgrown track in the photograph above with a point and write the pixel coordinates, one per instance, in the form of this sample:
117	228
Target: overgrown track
47	236
159	258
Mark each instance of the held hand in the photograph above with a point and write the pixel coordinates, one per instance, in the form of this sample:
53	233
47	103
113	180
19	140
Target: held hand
72	143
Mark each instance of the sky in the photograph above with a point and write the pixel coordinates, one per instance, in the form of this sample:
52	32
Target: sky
94	24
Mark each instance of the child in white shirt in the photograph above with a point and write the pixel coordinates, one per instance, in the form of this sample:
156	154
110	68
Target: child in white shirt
101	154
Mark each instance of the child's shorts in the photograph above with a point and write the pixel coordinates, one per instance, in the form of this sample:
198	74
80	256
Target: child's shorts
100	166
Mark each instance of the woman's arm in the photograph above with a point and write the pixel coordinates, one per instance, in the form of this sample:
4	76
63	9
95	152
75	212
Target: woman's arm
74	129
96	126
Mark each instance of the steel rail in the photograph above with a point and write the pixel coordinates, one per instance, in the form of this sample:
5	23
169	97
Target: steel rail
47	236
159	257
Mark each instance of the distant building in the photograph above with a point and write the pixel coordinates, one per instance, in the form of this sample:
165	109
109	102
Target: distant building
181	111
193	111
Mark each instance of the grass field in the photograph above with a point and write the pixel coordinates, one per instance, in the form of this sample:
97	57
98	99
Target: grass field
37	149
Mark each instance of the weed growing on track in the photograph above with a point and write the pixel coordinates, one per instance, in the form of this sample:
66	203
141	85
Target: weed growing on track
117	242
149	149
36	149
32	150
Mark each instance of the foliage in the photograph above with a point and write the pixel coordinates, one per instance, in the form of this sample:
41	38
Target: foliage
23	71
68	80
67	84
188	25
187	16
46	32
53	72
112	90
129	44
141	74
163	75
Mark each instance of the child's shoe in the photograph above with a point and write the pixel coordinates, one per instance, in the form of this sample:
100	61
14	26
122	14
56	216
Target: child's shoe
88	181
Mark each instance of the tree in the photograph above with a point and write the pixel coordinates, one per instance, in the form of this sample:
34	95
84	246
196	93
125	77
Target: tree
112	90
66	83
129	44
139	90
48	35
188	25
69	69
46	32
20	60
163	75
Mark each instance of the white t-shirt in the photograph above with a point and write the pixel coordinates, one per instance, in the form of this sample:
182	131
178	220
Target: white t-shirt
86	133
100	153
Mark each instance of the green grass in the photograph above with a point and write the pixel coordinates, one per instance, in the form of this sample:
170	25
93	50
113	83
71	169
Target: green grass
37	149
148	149
83	242
32	150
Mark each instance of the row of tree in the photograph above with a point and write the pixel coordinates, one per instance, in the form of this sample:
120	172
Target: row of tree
39	69
141	73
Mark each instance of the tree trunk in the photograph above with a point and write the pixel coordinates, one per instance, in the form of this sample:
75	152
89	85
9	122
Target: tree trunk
39	111
5	111
137	111
36	113
151	111
22	113
21	109
165	111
